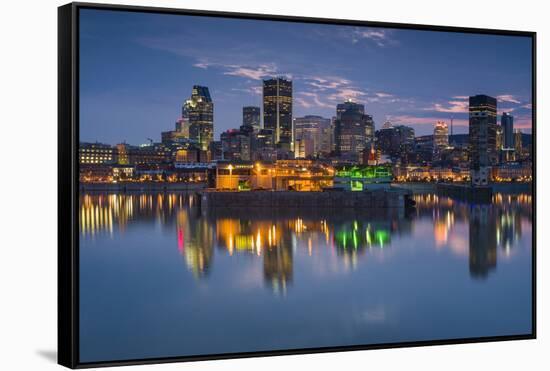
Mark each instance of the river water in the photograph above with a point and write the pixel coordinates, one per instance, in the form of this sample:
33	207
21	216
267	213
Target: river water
161	277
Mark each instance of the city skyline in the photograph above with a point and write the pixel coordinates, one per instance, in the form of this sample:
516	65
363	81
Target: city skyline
395	74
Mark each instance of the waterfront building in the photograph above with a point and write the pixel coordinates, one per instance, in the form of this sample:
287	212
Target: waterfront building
507	123
96	153
297	175
512	172
277	101
198	111
360	178
251	117
122	172
482	136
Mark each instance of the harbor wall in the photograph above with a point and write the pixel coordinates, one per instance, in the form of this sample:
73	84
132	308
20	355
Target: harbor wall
377	199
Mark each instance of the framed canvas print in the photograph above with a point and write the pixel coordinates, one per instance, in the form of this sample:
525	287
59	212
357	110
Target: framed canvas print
236	185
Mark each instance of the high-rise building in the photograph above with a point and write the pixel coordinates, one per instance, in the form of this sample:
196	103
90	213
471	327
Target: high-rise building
394	140
441	135
500	138
369	129
251	117
518	143
235	145
314	133
507	123
277	100
351	128
199	112
482	136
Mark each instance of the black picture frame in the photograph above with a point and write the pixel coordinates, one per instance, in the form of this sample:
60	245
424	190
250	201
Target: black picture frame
68	138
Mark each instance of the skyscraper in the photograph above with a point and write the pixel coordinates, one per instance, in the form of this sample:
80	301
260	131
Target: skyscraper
277	100
369	129
251	117
314	134
507	123
482	126
441	135
350	130
199	112
518	143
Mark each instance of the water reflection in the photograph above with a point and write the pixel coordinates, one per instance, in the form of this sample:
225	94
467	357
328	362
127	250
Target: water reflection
275	237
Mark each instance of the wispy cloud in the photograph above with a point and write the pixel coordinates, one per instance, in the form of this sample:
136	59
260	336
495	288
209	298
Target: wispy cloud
380	37
456	105
508	98
252	72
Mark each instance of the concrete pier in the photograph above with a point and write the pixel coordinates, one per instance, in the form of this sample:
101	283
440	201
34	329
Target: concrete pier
377	199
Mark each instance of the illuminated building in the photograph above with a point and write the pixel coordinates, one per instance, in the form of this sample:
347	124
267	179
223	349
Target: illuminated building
315	135
482	125
277	101
251	117
359	178
370	156
512	172
190	155
198	111
387	124
350	129
441	135
424	149
155	153
297	175
233	177
518	144
507	123
499	138
302	175
395	140
96	153
235	145
123	153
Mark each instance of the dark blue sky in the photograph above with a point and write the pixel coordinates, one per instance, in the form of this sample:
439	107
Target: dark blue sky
136	70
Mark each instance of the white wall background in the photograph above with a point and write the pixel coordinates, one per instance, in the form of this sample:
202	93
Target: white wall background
28	119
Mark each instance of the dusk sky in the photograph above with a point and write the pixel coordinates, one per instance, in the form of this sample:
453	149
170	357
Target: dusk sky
137	69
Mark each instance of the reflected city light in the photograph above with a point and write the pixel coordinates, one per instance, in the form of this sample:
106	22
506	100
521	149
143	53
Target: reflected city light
198	237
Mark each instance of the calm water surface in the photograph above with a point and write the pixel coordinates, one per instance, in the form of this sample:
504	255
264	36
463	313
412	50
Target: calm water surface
160	277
